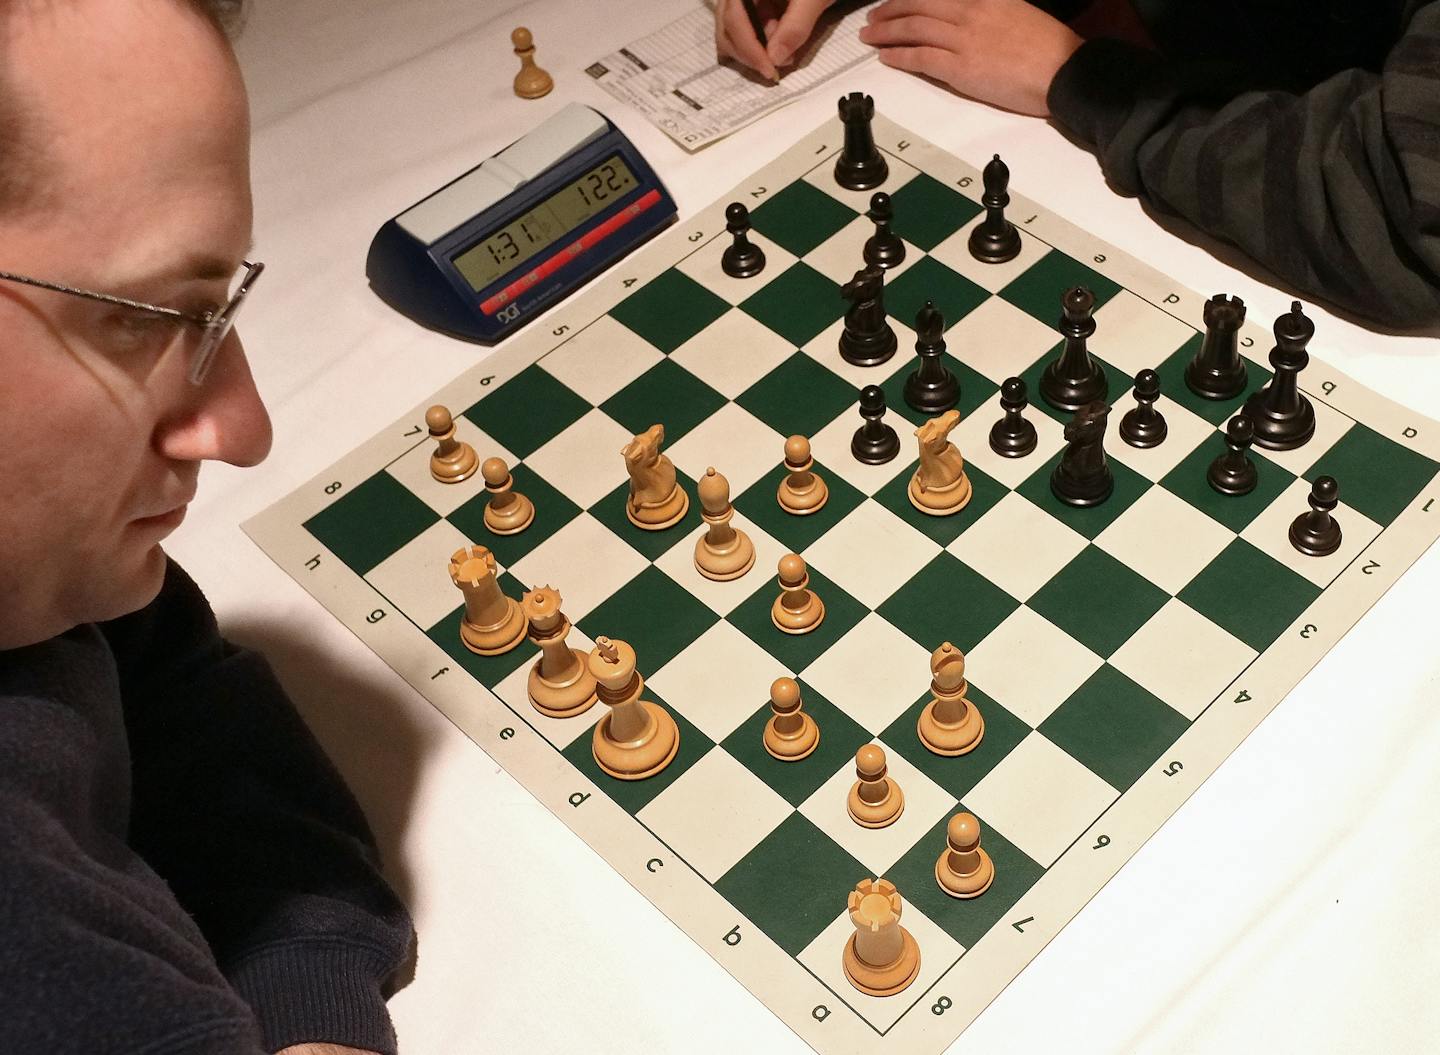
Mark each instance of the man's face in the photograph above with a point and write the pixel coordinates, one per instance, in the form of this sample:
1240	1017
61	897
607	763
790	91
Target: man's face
137	117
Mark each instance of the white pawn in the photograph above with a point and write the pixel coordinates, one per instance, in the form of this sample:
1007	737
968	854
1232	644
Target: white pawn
802	492
508	512
875	800
790	734
964	869
797	610
453	459
723	552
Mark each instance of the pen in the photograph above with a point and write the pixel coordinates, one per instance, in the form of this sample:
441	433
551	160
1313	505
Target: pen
755	23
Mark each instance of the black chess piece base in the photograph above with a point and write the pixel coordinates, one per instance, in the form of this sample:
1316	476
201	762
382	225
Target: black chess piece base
1070	394
868	351
1278	431
995	247
1215	384
1143	427
1013	444
743	261
1232	476
884	253
932	397
1082	494
875	445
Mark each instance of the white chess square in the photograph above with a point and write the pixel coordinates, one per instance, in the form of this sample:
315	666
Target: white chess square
715	813
718	680
1018	546
843	253
1004	665
600	359
1270	532
413	469
824	348
585	561
972	437
879	848
869	552
740	446
416	577
1330	425
1185	432
1040	798
823	176
703	265
831	448
1000	340
955	254
584	461
678	562
824	957
1165	539
1134	334
1182	658
872	673
561	732
733	352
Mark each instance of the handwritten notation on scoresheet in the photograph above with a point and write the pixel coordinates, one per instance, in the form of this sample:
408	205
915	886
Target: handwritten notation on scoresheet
673	76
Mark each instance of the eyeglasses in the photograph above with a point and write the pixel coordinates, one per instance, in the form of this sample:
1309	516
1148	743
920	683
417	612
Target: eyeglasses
215	325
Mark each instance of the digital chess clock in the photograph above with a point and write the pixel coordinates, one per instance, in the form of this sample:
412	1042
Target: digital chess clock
489	251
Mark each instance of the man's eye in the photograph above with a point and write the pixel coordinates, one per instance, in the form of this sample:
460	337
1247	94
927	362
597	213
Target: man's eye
138	330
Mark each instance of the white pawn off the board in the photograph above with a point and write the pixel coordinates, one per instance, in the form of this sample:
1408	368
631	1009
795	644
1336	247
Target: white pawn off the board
798	610
657	501
724	552
453	459
493	623
940	486
790	734
560	683
950	724
802	491
881	958
638	738
531	82
508	512
964	869
875	800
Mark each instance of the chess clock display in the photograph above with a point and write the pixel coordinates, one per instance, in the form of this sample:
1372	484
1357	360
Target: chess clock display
489	251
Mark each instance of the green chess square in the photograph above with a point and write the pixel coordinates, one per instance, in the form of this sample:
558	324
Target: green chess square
1118	381
666	387
797	304
928	279
1098	601
1113	727
797	651
800	217
1037	291
652	613
957	775
793	884
552	512
1249	594
1172	383
985	492
610	511
760	504
799	396
1129	486
927	212
669	310
488	670
947	601
964	919
1376	475
975	389
840	738
1187	480
371	522
634	795
528	411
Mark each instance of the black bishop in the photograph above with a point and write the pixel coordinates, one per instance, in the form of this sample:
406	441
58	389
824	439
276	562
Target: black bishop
931	389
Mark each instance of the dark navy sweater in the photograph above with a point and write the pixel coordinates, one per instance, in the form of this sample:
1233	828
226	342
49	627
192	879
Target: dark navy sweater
181	868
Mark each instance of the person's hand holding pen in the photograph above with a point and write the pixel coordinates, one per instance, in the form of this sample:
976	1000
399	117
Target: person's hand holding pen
765	34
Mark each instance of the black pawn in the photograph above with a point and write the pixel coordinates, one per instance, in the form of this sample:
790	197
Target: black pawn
1217	371
1083	477
932	389
860	166
1233	473
1074	379
995	239
1316	533
742	258
1012	436
867	339
883	249
875	442
1283	417
1144	426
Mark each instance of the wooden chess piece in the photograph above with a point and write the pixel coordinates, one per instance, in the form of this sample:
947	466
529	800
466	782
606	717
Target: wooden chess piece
950	724
790	734
507	512
723	552
493	623
1233	473
940	486
1316	533
881	958
637	739
875	800
802	492
964	869
797	610
453	460
531	82
1012	436
560	684
1143	426
657	501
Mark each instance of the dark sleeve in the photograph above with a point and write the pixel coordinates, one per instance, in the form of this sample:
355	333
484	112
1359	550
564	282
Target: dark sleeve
237	807
1336	189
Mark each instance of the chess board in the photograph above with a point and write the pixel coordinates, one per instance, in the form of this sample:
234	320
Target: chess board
1118	654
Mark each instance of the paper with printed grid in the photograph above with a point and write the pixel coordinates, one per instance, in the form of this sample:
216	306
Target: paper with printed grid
1118	654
